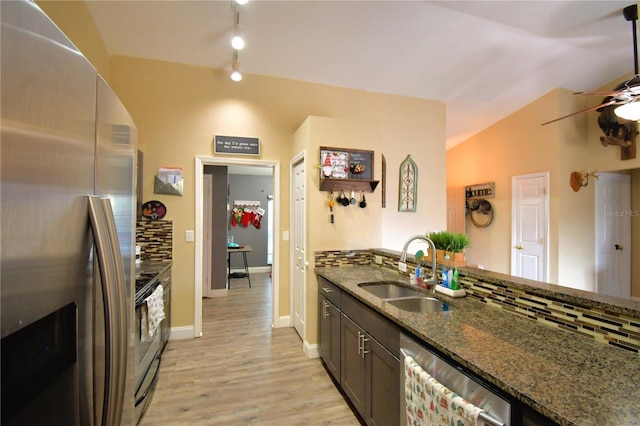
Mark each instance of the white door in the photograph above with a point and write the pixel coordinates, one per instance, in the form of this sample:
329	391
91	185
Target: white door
299	245
529	226
613	234
207	195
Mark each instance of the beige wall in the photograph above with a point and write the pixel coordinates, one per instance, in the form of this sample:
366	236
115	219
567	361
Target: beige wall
519	145
178	109
357	228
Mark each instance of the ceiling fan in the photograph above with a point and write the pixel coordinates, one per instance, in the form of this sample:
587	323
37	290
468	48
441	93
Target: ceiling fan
624	100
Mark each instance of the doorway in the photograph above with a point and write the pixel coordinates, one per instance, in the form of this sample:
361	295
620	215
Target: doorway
200	163
529	232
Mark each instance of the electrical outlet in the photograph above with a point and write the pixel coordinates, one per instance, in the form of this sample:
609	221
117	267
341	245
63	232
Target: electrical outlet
378	259
402	267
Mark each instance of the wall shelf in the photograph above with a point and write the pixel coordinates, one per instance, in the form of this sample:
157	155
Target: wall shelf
358	185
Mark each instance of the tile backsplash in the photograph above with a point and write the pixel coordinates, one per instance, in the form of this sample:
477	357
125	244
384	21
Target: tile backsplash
611	328
155	238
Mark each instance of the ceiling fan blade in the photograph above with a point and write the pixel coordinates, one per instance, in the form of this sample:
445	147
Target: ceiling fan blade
611	93
593	108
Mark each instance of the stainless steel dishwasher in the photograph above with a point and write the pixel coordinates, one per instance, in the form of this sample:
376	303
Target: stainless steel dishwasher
497	410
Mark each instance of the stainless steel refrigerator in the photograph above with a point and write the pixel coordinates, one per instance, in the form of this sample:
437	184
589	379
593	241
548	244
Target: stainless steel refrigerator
67	216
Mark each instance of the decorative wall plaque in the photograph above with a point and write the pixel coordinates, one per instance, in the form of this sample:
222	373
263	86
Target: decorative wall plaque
408	194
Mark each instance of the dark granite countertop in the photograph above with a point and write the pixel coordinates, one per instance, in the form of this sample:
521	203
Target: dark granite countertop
151	268
571	379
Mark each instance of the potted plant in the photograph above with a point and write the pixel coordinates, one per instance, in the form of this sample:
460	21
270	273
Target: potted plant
452	243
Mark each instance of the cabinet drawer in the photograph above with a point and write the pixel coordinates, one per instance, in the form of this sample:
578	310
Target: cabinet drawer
384	331
330	291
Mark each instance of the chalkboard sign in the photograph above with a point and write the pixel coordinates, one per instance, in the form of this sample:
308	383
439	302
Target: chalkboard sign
361	165
236	145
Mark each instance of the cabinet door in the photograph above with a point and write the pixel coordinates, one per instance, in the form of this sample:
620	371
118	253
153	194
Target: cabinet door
352	363
383	385
329	336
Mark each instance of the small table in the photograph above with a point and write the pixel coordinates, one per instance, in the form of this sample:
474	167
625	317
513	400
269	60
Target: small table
244	250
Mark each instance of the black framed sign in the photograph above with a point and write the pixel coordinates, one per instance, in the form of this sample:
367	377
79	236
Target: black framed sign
360	164
340	163
236	145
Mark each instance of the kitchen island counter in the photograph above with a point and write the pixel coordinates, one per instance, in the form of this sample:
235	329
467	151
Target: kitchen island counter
571	379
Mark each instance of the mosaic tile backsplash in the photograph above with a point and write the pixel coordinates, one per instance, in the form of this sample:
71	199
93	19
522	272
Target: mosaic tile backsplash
611	328
155	238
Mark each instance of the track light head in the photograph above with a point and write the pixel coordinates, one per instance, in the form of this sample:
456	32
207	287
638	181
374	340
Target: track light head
236	75
237	42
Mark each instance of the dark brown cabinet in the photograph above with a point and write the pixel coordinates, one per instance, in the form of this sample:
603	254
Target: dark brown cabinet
329	336
353	363
357	346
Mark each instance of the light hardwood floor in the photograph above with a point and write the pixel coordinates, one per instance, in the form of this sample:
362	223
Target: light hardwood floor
241	371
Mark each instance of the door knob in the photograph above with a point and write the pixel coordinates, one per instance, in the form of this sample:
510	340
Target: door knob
518	247
619	247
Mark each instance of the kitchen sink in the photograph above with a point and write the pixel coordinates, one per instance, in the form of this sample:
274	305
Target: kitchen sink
388	289
420	304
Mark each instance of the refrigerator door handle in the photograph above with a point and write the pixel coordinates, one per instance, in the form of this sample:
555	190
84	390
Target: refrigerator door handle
113	286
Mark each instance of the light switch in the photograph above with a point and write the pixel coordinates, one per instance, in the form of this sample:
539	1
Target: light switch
188	236
285	235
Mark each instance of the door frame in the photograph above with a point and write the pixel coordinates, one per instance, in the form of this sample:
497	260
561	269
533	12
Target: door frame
514	179
200	162
299	158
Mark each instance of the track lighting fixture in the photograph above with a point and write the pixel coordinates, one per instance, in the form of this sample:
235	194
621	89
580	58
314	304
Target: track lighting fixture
237	42
236	75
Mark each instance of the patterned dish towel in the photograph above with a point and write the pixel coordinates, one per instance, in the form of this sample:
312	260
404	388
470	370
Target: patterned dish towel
152	314
429	403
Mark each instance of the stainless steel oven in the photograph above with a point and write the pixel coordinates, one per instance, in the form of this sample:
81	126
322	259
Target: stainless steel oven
147	353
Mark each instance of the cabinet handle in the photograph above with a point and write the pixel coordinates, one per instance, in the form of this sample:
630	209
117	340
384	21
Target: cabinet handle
362	338
325	305
327	289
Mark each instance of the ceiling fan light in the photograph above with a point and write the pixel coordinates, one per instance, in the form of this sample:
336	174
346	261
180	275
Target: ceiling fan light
630	111
236	75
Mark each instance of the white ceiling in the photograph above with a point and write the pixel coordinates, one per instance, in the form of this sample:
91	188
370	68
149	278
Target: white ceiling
484	59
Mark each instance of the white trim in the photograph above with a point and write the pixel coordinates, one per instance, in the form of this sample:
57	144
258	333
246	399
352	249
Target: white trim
253	269
200	162
219	292
181	333
311	351
282	322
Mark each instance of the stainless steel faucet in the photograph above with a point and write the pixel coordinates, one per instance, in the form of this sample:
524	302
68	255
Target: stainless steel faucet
433	280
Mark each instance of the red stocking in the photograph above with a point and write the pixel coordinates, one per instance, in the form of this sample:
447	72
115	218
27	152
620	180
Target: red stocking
257	217
246	216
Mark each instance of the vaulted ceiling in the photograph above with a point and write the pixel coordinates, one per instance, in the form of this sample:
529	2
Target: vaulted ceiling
484	59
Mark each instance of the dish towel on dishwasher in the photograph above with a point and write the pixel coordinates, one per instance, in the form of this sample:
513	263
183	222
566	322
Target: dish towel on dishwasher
430	403
152	314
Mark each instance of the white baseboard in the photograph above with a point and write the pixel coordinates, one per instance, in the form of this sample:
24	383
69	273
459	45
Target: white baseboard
284	321
220	292
253	269
311	351
181	333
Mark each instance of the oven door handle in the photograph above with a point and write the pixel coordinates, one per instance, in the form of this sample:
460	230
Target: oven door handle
151	383
112	279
